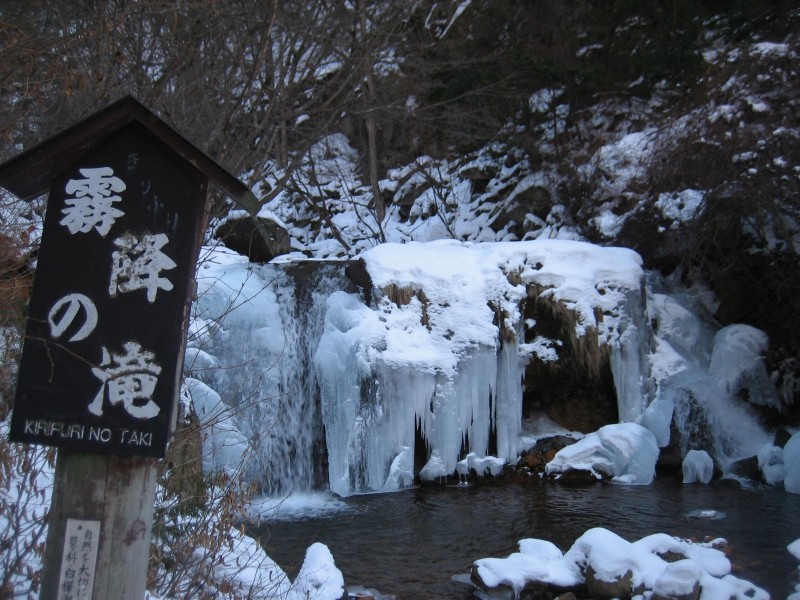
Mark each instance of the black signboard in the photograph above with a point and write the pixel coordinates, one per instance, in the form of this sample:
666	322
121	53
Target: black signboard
100	361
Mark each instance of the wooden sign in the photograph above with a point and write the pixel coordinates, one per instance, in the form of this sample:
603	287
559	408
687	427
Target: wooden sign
99	364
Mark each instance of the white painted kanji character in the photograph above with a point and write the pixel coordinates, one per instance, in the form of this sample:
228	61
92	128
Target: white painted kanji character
93	203
130	378
136	264
66	310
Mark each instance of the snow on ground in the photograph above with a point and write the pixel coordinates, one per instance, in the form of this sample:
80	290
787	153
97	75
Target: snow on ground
794	549
600	557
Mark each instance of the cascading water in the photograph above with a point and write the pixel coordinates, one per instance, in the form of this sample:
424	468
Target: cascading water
257	326
701	372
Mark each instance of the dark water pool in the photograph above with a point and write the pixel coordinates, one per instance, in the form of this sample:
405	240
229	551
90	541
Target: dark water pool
410	543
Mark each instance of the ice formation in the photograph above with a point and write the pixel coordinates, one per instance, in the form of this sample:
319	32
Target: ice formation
252	333
698	467
311	385
699	374
439	358
626	452
791	459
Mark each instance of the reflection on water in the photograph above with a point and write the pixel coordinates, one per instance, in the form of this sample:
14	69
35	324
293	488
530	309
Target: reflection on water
410	543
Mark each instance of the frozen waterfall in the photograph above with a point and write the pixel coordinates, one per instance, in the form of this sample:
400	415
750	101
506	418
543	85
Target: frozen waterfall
309	380
703	377
254	330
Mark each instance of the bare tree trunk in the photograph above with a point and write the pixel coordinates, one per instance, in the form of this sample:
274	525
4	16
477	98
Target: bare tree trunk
372	128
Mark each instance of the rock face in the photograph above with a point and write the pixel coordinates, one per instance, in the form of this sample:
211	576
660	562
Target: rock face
259	239
577	390
536	458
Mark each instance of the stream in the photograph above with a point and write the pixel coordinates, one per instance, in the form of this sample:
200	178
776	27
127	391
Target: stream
410	543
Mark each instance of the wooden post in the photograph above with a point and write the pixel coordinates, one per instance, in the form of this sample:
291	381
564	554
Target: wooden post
119	493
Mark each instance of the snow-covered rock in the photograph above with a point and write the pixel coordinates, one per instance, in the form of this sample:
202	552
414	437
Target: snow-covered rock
698	466
770	462
223	444
626	452
319	578
791	460
612	565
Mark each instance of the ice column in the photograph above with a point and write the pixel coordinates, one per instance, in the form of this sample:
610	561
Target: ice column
629	364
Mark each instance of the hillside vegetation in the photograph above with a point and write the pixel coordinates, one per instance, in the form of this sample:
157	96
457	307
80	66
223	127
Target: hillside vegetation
670	127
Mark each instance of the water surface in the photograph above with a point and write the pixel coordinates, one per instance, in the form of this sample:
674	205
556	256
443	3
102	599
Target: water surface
410	543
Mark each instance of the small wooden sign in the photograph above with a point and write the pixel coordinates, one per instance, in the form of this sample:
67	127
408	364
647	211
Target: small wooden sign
79	560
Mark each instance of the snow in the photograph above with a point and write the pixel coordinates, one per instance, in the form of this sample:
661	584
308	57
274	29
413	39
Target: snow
248	569
771	50
681	206
488	465
468	275
626	452
698	467
612	558
791	459
625	159
318	577
794	548
224	446
678	579
770	462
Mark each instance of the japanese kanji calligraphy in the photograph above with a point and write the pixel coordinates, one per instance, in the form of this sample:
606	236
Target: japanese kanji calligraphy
137	263
130	379
78	560
101	355
92	206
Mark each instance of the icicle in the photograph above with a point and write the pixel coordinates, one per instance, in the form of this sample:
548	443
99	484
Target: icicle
629	365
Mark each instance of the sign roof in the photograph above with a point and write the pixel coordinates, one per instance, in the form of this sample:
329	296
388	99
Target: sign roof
29	174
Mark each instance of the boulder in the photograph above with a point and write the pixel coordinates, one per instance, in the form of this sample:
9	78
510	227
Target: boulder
516	577
257	238
543	452
678	581
600	589
747	468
